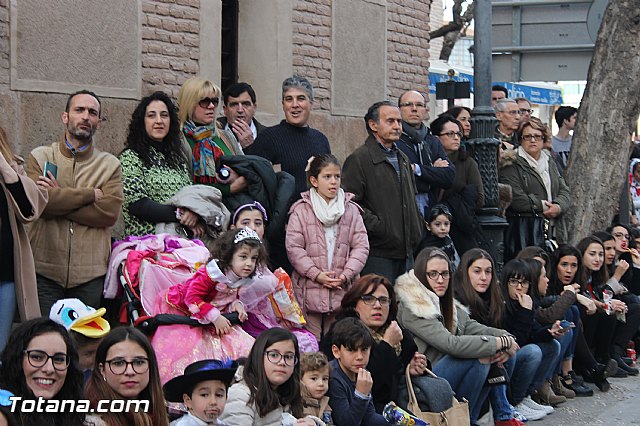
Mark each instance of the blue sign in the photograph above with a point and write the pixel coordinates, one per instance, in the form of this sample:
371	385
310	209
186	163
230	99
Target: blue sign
536	95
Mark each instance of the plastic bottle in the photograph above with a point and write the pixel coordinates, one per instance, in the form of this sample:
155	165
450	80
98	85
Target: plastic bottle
397	416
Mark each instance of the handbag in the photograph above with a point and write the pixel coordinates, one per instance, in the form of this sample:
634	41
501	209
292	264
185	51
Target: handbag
457	415
528	230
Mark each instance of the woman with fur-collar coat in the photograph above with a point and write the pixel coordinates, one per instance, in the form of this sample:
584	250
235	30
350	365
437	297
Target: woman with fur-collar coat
460	349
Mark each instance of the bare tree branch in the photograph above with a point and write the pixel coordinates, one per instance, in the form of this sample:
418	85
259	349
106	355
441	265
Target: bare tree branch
452	31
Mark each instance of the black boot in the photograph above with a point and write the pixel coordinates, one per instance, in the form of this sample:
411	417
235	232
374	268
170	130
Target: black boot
598	376
570	381
616	356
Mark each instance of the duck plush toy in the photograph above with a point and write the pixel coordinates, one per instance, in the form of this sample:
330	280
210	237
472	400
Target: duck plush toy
75	315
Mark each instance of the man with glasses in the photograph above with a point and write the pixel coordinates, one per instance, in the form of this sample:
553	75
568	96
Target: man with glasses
525	110
71	241
290	144
509	118
429	161
239	110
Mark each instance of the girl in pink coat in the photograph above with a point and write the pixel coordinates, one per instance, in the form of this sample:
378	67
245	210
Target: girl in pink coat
326	243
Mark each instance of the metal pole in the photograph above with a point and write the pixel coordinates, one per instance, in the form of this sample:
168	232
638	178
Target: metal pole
483	143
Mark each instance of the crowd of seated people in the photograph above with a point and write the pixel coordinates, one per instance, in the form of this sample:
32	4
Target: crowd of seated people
316	323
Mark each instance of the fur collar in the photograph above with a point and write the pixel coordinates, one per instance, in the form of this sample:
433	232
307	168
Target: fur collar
418	299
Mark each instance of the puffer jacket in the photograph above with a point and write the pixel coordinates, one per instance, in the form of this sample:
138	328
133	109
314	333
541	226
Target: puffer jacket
529	191
419	312
307	250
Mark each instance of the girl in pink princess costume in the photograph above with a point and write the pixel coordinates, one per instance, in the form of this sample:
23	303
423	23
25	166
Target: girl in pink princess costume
228	283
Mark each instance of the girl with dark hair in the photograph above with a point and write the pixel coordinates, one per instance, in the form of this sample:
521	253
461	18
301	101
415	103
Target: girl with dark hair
228	283
40	361
126	368
462	114
154	168
438	222
519	282
460	349
566	268
616	268
551	308
373	300
326	243
269	391
466	192
613	314
625	250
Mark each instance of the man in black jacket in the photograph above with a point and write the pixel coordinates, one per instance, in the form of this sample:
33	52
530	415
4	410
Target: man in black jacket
431	167
239	110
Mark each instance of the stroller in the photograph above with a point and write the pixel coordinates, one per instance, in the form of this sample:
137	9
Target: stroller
148	266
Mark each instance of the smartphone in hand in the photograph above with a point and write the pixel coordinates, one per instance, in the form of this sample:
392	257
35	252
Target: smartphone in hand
50	167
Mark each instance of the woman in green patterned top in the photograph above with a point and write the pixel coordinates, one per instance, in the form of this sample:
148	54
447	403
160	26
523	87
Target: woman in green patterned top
203	139
154	168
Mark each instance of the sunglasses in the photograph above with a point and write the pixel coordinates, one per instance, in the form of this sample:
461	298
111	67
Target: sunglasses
204	103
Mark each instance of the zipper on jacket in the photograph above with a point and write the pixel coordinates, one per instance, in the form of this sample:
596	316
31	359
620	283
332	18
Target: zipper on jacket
70	234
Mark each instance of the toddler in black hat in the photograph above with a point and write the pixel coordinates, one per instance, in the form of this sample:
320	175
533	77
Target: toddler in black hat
203	390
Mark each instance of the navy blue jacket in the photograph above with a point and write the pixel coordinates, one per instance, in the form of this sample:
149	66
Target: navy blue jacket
347	409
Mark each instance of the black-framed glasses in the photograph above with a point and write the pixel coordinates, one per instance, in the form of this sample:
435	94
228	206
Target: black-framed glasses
525	111
413	104
531	138
274	357
38	358
205	102
370	299
452	134
620	235
119	365
515	282
435	274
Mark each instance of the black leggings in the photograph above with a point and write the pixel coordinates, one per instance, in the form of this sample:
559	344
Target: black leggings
599	330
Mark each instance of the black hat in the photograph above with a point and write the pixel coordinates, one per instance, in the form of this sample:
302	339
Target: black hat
199	371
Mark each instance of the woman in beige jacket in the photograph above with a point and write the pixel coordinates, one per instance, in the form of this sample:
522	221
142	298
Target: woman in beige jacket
21	202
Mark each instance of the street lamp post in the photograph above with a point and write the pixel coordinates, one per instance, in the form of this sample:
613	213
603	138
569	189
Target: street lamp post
483	143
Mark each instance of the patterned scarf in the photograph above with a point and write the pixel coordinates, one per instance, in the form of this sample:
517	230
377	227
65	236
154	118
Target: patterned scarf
206	151
378	336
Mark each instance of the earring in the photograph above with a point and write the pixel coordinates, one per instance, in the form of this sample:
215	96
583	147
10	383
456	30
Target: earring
105	378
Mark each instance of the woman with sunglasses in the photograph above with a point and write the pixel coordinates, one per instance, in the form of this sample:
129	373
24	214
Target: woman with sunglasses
204	139
466	192
372	299
539	192
460	349
39	361
126	368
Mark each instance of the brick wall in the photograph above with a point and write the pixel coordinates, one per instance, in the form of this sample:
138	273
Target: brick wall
170	44
407	46
4	42
312	46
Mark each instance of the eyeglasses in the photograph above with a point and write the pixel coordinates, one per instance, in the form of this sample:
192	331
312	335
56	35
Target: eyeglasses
204	103
531	138
452	134
39	358
514	282
370	300
413	104
525	111
118	366
274	357
512	112
620	235
434	275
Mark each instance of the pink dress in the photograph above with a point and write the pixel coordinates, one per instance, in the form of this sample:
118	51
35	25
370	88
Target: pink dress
204	297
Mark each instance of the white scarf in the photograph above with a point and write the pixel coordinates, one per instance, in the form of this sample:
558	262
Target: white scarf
327	213
541	166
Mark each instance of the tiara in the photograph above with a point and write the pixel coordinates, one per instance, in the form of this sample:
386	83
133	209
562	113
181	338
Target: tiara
246	234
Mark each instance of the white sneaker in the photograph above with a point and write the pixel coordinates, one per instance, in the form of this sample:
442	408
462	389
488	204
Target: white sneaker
539	407
518	415
529	412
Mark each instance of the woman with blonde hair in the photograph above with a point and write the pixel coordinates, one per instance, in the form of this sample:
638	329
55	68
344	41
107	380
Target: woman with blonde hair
21	202
203	138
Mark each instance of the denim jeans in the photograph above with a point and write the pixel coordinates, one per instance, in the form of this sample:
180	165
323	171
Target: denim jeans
499	403
468	379
566	342
7	310
522	369
550	356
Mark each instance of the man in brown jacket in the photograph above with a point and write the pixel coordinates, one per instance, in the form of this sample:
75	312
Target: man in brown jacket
71	241
381	177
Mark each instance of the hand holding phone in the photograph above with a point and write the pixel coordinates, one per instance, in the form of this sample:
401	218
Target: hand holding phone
50	167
